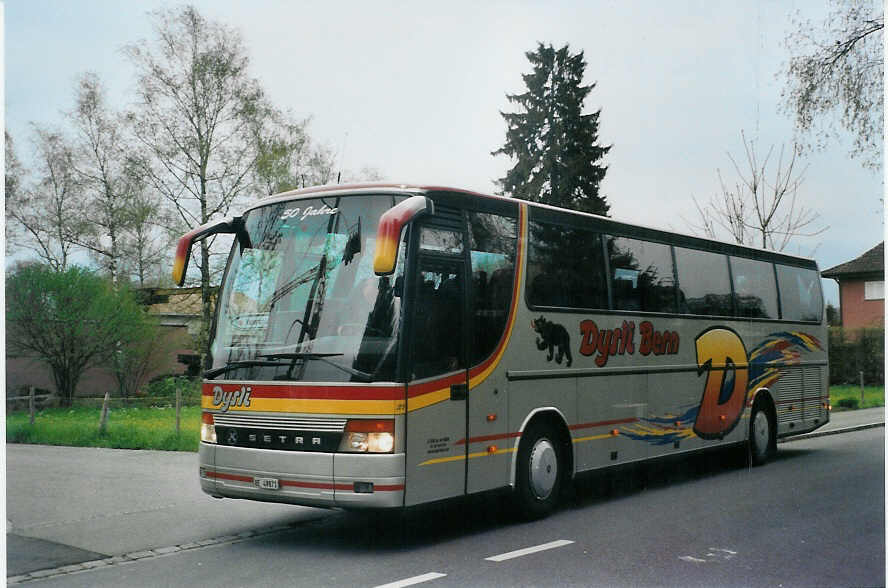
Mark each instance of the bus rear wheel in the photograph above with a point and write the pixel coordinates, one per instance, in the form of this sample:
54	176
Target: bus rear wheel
762	434
540	472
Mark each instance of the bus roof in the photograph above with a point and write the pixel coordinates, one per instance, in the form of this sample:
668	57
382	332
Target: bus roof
623	227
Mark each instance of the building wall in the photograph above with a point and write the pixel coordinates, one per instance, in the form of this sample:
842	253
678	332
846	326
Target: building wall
858	312
24	372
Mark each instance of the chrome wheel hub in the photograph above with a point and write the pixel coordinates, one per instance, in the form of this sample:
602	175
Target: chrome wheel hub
761	433
543	469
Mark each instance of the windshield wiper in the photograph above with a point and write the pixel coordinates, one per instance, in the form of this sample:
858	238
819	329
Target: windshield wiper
210	374
362	376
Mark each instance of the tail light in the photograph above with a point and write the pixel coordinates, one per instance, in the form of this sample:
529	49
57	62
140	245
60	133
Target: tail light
207	428
368	436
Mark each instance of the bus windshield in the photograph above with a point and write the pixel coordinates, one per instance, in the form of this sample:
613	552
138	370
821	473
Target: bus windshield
302	302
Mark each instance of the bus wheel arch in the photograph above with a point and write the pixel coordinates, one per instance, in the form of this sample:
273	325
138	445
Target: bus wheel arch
543	463
762	428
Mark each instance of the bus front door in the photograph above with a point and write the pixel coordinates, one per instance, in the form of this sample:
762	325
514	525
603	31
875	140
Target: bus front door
438	383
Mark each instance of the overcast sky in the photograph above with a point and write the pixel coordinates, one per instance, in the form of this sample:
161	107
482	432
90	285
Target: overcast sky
415	89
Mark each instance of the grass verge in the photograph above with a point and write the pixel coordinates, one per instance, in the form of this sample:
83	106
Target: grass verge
847	397
128	428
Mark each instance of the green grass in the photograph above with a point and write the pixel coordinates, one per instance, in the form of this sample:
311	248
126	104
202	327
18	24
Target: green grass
154	427
128	428
873	396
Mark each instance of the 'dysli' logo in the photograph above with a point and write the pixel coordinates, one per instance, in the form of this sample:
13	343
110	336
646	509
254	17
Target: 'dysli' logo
226	400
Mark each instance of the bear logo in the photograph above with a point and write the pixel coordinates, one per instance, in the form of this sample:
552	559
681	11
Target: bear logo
553	337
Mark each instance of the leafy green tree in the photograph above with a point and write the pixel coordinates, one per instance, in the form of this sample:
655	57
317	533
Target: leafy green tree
835	78
71	320
134	360
554	144
833	316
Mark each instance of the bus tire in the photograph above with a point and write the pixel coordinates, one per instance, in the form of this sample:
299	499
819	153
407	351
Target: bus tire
762	433
540	472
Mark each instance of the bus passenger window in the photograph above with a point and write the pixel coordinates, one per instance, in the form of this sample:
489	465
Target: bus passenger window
565	267
641	275
755	292
705	287
800	295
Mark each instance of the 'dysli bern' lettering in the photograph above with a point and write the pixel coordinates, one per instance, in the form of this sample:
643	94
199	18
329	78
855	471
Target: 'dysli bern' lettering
621	340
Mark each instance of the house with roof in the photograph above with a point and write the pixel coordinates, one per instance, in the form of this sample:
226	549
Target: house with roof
861	289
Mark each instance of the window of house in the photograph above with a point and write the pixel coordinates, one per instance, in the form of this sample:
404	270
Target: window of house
874	290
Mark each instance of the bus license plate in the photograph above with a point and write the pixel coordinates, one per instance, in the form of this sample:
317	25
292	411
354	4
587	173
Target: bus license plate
266	483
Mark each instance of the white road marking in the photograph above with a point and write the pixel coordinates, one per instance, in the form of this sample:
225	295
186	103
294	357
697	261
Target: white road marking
713	554
414	580
529	550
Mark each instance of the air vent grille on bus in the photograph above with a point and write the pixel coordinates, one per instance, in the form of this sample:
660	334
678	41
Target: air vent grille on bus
446	217
251	421
790	392
814	396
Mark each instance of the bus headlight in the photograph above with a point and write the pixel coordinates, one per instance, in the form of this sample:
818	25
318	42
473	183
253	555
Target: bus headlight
368	436
207	428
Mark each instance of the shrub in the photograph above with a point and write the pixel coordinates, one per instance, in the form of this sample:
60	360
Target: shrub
851	403
855	351
165	387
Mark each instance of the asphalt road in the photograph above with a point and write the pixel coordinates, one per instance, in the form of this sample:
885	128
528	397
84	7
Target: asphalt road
814	516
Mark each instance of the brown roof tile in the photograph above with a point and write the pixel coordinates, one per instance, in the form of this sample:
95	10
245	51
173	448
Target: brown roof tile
871	262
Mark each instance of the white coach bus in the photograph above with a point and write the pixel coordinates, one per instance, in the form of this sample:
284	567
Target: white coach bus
384	346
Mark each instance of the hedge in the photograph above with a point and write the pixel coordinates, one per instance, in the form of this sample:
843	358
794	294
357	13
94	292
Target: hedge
852	351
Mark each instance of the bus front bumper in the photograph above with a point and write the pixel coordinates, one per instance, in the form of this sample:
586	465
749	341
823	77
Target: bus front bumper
344	480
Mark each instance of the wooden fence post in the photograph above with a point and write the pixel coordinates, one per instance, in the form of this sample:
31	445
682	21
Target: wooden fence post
31	403
103	420
861	389
178	406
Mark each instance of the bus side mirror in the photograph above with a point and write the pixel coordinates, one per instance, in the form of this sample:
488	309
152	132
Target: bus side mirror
187	241
388	233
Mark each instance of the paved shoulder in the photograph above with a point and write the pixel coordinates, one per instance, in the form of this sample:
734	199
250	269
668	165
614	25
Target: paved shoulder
26	554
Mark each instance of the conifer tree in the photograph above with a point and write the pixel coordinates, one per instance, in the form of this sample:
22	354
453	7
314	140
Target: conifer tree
554	143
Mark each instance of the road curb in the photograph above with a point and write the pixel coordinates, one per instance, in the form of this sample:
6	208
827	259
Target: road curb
128	558
830	432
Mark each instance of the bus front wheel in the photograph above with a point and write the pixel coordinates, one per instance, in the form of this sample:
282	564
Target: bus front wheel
539	472
762	434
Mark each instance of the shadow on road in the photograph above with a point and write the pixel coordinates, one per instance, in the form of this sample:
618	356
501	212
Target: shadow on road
418	527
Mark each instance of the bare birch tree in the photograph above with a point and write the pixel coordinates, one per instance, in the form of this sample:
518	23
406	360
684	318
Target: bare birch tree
14	179
196	106
835	78
48	211
762	206
102	162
